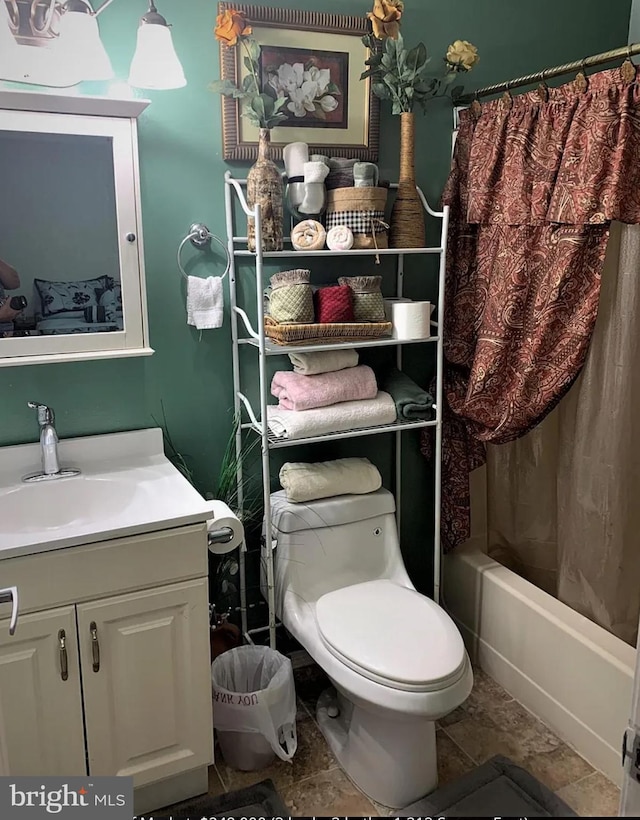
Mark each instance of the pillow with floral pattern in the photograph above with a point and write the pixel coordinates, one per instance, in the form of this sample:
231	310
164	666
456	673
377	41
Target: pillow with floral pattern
62	297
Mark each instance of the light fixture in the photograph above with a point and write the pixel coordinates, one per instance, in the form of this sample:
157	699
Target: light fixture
69	49
155	64
8	43
79	41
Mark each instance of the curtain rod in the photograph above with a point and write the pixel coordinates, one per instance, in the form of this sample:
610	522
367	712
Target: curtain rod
557	71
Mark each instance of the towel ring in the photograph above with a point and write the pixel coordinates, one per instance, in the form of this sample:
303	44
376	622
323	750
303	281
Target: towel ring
200	236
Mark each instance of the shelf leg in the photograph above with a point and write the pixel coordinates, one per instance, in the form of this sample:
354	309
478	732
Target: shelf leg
236	401
437	551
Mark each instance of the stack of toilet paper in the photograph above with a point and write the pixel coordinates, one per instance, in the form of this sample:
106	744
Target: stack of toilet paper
411	319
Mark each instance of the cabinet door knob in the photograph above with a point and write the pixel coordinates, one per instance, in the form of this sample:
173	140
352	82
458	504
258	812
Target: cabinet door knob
64	660
95	646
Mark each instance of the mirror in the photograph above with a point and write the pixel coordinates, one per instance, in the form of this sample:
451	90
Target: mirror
71	265
58	236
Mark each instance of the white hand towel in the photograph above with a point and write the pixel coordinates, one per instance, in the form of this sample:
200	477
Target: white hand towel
295	154
344	476
205	300
315	194
348	415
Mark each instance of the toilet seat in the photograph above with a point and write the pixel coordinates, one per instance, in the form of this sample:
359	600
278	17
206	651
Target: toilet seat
392	635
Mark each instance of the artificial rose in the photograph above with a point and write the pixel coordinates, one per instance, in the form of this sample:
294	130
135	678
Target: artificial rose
462	55
385	18
229	26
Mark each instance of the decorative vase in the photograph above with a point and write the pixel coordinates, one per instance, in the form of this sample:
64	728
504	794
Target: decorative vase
265	188
406	228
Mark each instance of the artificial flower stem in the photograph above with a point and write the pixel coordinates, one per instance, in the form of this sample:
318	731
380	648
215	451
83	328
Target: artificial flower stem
253	72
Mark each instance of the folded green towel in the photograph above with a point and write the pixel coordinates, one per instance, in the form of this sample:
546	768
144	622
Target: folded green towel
412	402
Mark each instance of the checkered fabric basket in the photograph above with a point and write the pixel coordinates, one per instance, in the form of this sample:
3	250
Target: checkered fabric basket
362	210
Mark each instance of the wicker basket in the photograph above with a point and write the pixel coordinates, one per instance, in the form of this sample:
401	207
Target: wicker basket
325	333
362	210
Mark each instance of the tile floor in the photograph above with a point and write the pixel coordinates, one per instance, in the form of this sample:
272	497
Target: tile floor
490	722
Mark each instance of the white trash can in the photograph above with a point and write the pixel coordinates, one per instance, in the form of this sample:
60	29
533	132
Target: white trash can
254	706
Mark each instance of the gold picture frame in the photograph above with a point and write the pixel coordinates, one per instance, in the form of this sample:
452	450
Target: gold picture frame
351	128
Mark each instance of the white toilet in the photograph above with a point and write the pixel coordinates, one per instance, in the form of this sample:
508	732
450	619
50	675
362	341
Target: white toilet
396	659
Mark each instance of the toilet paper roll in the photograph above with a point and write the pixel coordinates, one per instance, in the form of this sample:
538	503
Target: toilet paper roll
411	320
224	517
388	306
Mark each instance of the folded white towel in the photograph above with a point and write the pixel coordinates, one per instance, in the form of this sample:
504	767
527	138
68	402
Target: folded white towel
348	415
205	300
325	361
344	476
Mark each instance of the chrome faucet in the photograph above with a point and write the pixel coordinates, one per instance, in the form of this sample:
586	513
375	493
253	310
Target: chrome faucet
48	446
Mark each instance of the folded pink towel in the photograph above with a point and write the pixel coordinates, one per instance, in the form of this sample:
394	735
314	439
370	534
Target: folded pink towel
297	392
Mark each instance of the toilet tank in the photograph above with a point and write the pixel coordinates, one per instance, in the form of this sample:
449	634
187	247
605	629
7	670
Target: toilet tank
333	543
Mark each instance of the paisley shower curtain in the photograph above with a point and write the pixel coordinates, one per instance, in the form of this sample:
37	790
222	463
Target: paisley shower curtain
563	502
534	186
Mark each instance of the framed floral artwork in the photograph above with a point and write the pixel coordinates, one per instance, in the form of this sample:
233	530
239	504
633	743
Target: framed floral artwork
314	61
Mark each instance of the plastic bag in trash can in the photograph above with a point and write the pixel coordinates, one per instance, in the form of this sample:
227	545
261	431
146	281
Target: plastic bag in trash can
253	691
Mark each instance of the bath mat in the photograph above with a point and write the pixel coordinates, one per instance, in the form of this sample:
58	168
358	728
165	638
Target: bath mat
497	788
261	800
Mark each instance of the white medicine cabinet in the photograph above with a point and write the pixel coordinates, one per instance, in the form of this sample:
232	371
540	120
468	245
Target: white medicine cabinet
71	254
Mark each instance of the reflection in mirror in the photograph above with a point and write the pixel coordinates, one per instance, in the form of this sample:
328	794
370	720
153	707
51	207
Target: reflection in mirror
59	257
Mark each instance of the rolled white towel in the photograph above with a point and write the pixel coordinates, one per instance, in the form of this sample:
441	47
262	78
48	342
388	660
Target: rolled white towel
324	361
347	415
340	238
344	476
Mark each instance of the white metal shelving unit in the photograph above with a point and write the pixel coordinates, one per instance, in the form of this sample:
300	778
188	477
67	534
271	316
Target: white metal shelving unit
254	337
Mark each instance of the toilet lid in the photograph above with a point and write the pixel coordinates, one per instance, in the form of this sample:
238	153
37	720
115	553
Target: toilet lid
392	635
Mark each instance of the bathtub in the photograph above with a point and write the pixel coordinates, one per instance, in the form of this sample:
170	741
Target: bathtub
574	675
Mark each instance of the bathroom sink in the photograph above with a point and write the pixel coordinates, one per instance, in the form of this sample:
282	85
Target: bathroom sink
126	486
66	502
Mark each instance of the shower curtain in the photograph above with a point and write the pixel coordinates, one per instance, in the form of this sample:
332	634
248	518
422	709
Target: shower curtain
564	501
535	184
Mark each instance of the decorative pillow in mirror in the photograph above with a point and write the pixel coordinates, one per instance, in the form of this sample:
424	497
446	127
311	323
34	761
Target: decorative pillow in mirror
60	297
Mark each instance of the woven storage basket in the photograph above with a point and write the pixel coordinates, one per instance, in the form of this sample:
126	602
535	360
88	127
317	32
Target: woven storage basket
362	210
324	333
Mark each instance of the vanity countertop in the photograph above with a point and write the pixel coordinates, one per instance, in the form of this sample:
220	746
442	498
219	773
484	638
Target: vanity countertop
127	486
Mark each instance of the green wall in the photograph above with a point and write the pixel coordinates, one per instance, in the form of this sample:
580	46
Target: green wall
182	181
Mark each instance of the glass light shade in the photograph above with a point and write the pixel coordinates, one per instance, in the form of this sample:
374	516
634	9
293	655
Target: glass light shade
155	64
79	44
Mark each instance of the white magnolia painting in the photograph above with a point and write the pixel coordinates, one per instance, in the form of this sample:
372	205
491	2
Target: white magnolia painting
314	83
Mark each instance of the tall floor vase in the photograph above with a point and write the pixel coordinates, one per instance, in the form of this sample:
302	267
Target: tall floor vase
407	216
265	187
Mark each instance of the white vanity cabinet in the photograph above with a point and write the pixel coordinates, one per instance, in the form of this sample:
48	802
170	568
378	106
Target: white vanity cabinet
42	712
109	671
146	709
